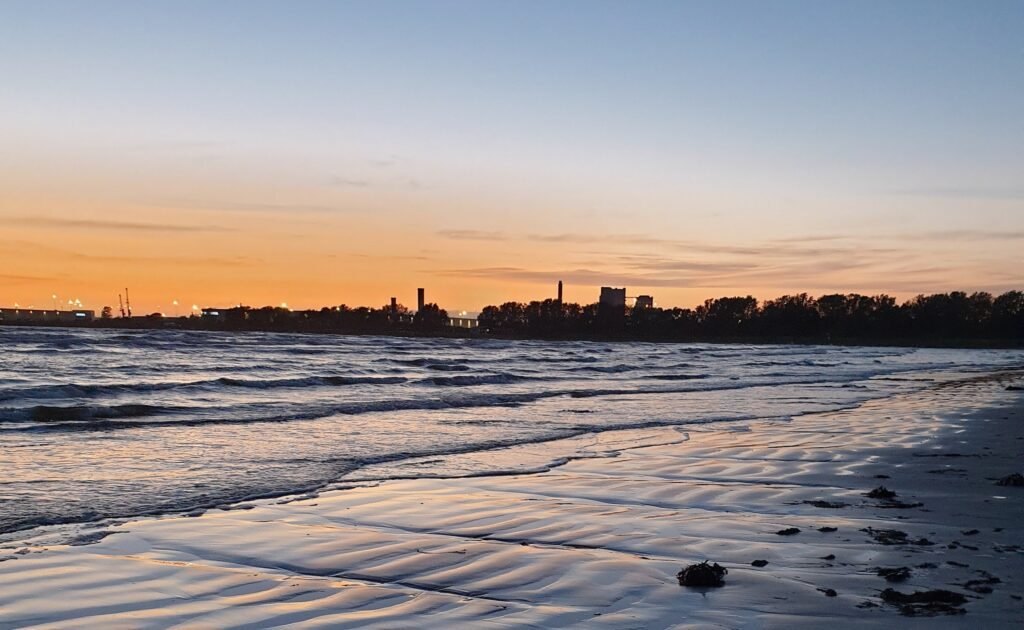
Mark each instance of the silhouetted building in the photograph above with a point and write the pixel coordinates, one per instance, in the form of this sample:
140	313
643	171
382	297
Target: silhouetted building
643	301
611	308
463	322
613	298
215	314
393	313
559	291
36	315
421	299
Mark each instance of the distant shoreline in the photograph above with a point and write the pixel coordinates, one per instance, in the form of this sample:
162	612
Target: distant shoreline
192	325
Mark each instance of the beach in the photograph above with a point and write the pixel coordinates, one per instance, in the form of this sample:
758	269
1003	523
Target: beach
592	540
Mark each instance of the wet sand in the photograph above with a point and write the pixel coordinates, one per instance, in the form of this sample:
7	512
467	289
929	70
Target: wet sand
595	542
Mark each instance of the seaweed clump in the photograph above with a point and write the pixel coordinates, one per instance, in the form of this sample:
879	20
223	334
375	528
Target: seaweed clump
894	537
703	574
926	603
893	575
881	492
832	505
1016	480
982	585
789	531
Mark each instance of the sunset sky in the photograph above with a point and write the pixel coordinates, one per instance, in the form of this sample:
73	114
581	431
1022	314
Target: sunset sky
343	152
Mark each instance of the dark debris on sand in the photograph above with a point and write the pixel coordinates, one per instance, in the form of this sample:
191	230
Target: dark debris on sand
702	574
926	603
899	505
832	505
828	530
894	537
982	585
897	574
881	492
789	531
1015	480
829	592
759	563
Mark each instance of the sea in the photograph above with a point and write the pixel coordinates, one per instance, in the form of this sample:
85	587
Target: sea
109	424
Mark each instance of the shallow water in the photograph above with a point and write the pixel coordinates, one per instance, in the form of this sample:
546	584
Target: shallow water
97	424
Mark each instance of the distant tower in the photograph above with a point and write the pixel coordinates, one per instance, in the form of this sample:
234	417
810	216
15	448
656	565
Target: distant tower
394	309
421	295
559	291
643	302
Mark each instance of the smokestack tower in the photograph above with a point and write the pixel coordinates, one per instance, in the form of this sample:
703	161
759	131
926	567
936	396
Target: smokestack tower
420	299
394	309
559	291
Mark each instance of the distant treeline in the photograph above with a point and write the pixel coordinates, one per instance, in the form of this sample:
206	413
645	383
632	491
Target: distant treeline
341	319
950	319
955	318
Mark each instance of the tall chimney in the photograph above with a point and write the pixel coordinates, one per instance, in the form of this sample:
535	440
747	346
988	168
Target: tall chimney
559	291
420	299
394	309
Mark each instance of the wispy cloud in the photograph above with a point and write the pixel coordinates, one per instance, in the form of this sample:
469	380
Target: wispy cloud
968	235
100	224
30	247
472	235
177	261
965	192
8	278
350	182
248	206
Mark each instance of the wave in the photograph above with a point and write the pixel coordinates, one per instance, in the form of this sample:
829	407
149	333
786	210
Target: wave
448	367
608	369
78	413
310	381
242	414
73	390
476	379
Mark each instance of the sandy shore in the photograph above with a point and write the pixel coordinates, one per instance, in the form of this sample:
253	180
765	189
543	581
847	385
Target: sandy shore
596	542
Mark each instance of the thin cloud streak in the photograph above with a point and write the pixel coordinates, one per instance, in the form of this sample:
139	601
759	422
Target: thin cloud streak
97	224
472	235
988	193
247	206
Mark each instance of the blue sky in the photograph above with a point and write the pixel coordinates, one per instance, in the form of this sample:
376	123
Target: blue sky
478	138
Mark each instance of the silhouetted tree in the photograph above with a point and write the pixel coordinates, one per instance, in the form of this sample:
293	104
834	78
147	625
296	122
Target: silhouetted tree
430	317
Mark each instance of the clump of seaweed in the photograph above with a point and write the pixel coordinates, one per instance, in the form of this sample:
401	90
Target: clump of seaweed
897	574
982	585
789	531
759	563
881	492
926	603
894	537
832	505
1015	480
703	574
